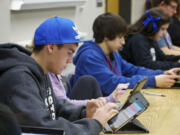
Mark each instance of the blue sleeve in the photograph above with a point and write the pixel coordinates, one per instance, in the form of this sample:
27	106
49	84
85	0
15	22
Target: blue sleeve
137	73
130	69
96	66
162	42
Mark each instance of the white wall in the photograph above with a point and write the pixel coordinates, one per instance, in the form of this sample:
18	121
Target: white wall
4	21
137	9
20	25
23	23
85	18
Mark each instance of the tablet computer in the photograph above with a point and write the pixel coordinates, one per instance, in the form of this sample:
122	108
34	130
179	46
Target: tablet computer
126	115
139	86
32	130
135	90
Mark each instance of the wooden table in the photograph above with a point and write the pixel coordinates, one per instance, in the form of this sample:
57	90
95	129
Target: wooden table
163	115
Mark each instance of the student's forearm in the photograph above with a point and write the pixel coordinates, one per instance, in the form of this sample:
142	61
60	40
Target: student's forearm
170	51
176	48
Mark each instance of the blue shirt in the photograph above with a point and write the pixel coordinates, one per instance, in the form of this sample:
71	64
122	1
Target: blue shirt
91	60
165	41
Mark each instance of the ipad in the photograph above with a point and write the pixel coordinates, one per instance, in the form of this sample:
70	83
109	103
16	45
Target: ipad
135	90
126	115
35	134
31	130
139	85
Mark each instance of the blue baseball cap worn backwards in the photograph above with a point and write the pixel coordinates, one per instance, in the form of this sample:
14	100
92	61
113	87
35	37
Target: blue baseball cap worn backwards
56	30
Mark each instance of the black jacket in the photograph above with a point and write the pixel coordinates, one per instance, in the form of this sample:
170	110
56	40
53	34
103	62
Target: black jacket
142	51
174	31
28	92
8	123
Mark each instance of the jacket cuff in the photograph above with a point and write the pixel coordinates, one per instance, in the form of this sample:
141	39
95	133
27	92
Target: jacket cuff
99	125
83	113
150	82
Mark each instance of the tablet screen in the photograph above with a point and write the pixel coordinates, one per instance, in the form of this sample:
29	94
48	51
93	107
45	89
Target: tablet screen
38	134
126	115
31	130
134	108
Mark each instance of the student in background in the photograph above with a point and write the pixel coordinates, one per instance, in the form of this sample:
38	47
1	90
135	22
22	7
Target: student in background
148	4
174	28
141	48
165	43
25	86
100	58
86	88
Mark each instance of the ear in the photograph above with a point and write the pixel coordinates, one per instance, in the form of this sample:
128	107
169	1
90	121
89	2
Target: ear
161	4
106	39
50	48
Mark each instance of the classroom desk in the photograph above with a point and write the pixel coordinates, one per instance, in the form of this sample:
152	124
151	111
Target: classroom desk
163	115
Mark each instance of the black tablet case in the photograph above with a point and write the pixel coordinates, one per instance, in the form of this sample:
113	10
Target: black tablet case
42	130
134	126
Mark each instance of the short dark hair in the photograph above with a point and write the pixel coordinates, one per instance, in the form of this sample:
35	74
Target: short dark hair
108	25
155	3
148	4
148	30
38	48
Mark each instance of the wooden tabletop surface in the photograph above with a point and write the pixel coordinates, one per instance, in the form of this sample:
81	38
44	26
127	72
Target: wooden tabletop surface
163	115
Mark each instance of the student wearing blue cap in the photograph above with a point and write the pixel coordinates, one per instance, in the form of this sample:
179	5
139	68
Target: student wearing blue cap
141	47
100	58
26	88
86	87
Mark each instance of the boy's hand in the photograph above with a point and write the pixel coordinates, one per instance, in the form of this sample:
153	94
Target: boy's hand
104	113
172	71
119	91
166	81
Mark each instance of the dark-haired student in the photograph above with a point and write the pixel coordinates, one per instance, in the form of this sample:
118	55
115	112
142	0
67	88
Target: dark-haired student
26	88
100	58
174	28
141	47
169	7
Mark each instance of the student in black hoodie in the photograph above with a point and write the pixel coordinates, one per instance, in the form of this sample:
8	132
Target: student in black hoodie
141	48
8	123
26	88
